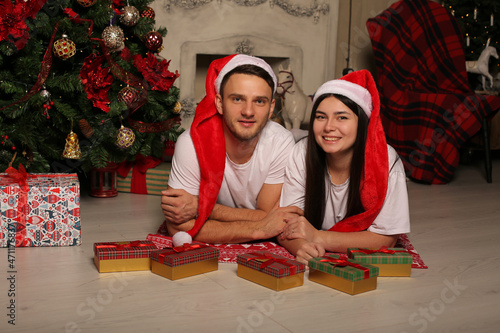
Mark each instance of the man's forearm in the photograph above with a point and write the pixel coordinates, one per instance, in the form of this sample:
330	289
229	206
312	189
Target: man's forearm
223	213
214	231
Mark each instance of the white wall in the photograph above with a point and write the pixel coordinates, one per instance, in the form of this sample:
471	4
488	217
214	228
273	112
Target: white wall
224	23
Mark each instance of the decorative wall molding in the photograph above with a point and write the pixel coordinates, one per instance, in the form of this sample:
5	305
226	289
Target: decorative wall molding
314	9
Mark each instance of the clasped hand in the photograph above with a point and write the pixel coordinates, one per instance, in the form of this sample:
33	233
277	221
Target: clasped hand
178	206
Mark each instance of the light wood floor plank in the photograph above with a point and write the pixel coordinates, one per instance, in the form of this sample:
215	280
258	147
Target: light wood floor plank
455	228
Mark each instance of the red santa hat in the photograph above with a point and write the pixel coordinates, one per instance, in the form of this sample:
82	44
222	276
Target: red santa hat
360	87
208	138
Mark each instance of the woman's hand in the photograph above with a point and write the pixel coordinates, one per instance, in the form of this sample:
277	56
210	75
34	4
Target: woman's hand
309	250
299	227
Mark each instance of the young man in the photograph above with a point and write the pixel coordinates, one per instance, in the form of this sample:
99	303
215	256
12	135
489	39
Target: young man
228	168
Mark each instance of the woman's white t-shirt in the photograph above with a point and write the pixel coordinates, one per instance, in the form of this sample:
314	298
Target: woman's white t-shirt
394	217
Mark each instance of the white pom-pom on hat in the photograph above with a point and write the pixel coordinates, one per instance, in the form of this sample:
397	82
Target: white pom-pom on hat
182	238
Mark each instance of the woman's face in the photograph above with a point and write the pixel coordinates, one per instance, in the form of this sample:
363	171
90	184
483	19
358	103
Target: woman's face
335	127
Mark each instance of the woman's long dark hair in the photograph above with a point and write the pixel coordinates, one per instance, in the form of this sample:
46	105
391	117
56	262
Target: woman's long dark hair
317	168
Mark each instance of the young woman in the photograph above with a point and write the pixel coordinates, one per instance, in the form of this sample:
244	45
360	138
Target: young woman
349	182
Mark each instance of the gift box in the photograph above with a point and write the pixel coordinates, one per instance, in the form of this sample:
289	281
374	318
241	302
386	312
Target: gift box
143	180
347	276
123	256
390	261
39	209
270	270
184	261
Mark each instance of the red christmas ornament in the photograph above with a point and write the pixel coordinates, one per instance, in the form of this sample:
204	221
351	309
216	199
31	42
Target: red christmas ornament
153	41
64	48
128	95
149	13
86	3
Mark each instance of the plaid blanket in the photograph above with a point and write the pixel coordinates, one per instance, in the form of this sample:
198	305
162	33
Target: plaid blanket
428	108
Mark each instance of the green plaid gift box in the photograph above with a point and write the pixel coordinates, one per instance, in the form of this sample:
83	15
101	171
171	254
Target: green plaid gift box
347	269
124	250
271	264
187	254
381	256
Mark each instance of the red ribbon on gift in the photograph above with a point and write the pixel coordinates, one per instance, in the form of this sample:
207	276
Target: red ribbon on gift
121	246
178	249
186	247
343	263
140	166
269	259
383	249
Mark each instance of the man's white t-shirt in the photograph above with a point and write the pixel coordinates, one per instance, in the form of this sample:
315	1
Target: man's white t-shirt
242	182
394	217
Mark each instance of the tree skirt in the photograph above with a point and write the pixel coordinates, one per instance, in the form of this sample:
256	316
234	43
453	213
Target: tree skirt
229	252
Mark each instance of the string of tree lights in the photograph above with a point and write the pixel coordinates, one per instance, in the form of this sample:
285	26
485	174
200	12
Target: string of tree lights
479	22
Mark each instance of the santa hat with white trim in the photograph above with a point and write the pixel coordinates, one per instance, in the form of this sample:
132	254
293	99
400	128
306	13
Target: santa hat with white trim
208	138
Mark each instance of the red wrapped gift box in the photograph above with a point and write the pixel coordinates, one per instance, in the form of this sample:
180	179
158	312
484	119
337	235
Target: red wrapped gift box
39	209
271	270
183	261
123	256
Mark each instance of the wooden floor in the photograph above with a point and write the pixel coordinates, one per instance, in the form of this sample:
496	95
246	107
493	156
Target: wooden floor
455	228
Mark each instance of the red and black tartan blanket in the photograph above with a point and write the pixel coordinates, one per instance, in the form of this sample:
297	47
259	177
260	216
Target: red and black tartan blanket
428	108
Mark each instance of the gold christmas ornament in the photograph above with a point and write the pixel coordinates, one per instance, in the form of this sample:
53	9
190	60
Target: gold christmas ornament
125	137
178	107
72	149
129	16
64	48
113	37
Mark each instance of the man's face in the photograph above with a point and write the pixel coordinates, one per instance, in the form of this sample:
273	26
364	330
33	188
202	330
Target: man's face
246	106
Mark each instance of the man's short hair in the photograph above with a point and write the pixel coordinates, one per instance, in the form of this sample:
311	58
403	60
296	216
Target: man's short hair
249	70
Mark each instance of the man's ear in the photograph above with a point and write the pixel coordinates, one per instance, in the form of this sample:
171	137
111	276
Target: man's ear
271	109
218	103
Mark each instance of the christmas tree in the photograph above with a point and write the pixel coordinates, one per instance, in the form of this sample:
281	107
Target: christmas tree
479	22
82	84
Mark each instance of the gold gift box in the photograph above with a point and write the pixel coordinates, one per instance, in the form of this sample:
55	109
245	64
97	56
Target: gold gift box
122	265
119	256
182	271
271	282
393	269
347	286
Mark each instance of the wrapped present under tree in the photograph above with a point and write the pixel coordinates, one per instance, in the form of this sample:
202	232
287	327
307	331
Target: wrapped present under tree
39	209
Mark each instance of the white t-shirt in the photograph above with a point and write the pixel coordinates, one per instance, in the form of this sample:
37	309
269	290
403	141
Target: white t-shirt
394	217
242	182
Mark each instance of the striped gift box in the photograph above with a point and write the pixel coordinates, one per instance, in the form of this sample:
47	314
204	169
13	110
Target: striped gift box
184	261
270	270
346	275
156	179
390	261
123	256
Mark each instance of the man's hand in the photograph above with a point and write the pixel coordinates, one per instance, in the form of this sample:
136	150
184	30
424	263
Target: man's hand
178	205
274	222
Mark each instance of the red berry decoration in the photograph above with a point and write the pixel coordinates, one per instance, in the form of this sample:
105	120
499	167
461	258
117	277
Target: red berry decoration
153	41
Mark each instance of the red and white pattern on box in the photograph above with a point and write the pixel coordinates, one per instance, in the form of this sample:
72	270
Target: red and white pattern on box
230	252
52	211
